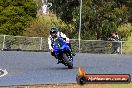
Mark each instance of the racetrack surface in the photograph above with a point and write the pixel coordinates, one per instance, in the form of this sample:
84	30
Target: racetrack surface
27	68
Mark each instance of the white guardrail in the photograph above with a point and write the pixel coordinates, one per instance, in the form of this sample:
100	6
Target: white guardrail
24	43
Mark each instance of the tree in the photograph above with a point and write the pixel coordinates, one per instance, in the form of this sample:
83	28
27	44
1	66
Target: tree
15	15
128	4
100	18
64	9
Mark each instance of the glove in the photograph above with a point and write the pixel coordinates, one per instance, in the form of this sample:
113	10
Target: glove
51	50
67	41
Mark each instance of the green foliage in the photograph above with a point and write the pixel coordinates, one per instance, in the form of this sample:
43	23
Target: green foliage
42	24
127	3
15	15
99	17
125	31
128	44
64	9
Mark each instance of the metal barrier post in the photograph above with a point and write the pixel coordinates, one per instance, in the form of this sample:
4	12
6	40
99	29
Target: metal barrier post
4	42
121	47
41	41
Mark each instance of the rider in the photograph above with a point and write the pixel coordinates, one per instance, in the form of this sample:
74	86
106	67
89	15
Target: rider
54	33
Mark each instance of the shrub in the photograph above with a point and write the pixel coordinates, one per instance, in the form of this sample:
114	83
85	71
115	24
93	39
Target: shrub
42	24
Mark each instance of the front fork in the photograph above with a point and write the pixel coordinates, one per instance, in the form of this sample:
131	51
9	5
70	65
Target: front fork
60	56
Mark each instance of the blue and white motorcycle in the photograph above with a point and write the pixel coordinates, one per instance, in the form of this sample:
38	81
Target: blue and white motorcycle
63	52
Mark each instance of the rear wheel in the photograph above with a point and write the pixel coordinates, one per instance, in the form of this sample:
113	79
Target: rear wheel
68	62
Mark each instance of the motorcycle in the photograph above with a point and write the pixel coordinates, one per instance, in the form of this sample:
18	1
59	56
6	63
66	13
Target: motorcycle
63	52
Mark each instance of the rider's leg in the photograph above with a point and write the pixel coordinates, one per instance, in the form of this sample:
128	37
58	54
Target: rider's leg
53	54
118	50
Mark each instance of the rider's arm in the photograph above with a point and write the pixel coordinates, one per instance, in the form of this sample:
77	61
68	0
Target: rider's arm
65	37
113	39
49	43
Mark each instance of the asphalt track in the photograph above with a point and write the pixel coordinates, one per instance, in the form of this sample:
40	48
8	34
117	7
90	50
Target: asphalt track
27	68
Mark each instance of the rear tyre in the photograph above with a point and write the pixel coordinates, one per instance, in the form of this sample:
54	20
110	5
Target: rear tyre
68	62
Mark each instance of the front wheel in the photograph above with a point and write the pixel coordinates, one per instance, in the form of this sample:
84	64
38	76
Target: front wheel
68	62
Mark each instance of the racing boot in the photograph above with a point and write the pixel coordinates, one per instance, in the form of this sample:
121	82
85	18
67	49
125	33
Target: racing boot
59	61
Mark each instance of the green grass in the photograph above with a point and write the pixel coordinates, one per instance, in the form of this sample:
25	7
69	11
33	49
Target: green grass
121	85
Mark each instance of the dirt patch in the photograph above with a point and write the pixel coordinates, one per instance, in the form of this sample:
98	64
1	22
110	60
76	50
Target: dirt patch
74	86
64	86
70	86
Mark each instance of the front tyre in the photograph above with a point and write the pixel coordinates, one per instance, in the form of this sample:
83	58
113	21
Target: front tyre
68	62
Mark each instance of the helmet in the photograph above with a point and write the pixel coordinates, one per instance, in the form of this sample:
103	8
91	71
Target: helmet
53	31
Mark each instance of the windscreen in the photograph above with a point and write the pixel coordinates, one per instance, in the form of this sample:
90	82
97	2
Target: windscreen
58	43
